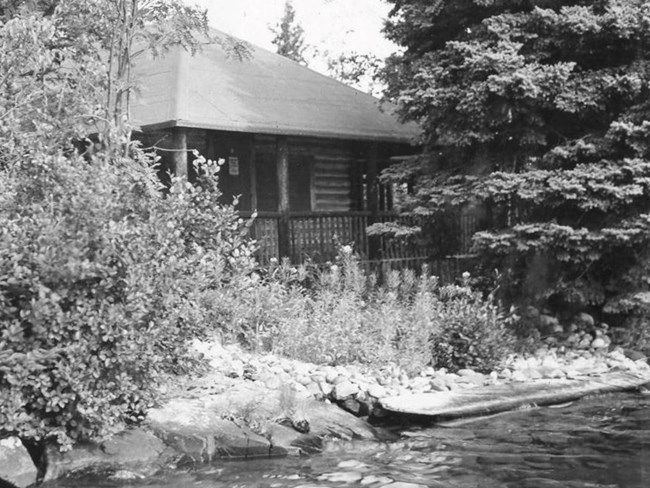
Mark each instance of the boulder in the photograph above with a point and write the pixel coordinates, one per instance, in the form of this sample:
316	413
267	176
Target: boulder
584	321
16	465
547	323
197	431
134	450
345	389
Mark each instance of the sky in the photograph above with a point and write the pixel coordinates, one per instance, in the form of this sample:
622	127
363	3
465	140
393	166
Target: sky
331	27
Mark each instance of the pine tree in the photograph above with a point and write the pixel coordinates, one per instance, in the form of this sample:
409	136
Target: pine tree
290	36
538	111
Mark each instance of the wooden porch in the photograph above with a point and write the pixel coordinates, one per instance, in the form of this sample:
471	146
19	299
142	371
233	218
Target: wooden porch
316	236
312	195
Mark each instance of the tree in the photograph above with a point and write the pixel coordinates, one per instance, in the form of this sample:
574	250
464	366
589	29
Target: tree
358	70
103	278
290	36
66	65
538	111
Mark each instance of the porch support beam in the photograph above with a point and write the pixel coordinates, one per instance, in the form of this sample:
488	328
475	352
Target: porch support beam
372	173
282	165
179	154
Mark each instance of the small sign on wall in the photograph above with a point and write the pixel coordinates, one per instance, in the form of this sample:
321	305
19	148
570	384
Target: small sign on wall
233	166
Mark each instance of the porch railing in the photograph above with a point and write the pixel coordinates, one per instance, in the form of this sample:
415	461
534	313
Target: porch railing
317	235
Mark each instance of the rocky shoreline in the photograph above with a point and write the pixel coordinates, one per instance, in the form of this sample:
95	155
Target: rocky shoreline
251	406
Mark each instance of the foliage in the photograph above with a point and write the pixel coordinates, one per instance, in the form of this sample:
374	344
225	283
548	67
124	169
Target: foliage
66	67
103	278
359	70
102	281
340	315
289	36
537	111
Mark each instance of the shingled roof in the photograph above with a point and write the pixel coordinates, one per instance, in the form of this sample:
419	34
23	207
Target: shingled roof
264	93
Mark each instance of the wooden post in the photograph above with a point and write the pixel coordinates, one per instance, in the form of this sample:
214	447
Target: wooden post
372	186
253	172
282	165
179	156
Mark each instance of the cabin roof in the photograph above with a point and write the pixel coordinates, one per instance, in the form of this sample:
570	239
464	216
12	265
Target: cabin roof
263	93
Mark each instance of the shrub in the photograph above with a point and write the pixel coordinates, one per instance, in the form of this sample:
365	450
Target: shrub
103	279
344	317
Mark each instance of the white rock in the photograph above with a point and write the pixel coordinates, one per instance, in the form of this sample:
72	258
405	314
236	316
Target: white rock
345	389
376	391
325	388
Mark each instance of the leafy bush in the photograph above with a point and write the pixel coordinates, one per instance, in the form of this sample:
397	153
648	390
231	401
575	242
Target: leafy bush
103	279
345	317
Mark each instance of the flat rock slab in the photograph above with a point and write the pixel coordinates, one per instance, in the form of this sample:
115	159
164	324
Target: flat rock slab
134	450
500	398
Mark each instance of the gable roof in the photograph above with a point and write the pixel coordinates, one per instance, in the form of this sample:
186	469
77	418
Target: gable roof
263	93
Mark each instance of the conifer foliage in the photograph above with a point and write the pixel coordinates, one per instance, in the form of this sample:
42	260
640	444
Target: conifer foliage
289	36
539	112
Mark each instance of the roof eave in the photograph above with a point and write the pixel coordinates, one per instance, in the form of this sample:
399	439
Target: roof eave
280	131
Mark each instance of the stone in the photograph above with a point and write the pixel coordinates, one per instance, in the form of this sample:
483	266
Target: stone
531	313
133	450
16	464
376	391
341	477
375	480
314	390
331	374
345	389
634	355
599	343
402	484
352	464
584	320
547	323
439	384
355	407
196	430
326	388
466	372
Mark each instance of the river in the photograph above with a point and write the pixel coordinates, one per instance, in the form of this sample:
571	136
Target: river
601	442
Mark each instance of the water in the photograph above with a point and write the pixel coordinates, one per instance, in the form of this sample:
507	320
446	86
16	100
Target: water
603	442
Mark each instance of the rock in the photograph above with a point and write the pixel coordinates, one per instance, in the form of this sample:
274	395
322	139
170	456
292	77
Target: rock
376	391
353	464
439	384
584	342
314	390
466	372
547	323
326	388
16	465
375	480
634	355
331	374
344	390
134	450
531	313
585	321
355	407
196	430
599	343
347	477
402	484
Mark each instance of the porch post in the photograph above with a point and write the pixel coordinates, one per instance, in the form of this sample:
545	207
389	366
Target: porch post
282	164
372	172
179	156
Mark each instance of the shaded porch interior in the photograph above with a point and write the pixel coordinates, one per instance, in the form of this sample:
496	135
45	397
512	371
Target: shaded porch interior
310	194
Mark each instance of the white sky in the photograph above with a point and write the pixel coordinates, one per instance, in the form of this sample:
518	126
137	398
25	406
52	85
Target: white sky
331	26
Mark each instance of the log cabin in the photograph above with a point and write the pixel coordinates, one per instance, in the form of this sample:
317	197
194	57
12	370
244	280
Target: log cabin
301	149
